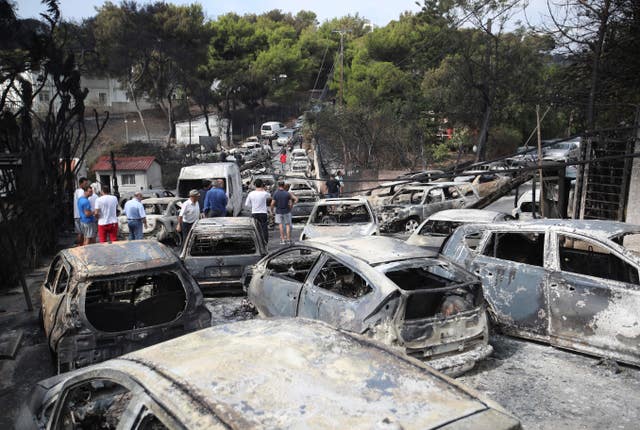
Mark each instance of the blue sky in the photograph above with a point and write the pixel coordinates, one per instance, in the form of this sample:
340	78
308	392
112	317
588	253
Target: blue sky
378	12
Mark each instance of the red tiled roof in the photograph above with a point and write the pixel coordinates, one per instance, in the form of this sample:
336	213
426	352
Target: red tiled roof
124	163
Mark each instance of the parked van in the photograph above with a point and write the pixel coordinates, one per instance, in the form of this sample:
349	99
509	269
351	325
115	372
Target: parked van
191	177
270	128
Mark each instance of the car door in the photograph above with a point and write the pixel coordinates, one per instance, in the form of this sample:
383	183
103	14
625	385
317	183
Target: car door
594	298
433	202
511	266
277	290
336	294
53	293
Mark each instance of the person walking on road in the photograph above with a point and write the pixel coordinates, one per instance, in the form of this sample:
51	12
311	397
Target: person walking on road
77	226
283	201
257	201
333	187
136	217
189	214
87	219
283	157
215	202
106	212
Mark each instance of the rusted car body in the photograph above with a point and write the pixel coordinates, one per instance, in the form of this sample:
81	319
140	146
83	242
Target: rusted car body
218	251
379	286
346	217
573	284
413	204
104	300
433	231
162	218
259	374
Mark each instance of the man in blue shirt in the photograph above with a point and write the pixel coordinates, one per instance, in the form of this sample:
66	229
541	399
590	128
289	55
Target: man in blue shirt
87	220
136	217
215	202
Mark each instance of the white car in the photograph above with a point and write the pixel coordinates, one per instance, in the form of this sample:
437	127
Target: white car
162	217
299	154
342	218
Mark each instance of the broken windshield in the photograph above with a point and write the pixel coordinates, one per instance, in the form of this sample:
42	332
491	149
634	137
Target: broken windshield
630	241
341	214
207	244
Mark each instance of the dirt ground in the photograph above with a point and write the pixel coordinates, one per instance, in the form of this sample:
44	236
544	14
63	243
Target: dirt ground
545	387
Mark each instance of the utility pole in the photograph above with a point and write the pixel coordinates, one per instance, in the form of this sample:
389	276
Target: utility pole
341	96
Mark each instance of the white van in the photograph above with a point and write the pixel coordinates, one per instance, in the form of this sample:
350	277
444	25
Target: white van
191	178
270	128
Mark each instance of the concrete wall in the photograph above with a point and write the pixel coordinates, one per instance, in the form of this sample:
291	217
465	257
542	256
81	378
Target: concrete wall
198	128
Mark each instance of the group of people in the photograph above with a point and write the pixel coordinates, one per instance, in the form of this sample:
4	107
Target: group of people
282	202
212	198
96	217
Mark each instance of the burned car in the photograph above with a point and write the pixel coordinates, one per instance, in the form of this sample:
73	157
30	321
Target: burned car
341	217
103	300
162	218
399	294
573	284
413	204
218	250
433	232
307	198
303	374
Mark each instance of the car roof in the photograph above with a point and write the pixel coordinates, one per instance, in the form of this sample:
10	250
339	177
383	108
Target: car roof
466	215
372	250
597	228
225	222
101	259
348	200
297	373
206	170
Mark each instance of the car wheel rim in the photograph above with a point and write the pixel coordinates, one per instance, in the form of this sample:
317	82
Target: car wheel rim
411	226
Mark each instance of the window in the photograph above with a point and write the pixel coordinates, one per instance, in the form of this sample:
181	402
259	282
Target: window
53	273
128	179
102	97
527	248
150	422
294	265
63	281
44	96
95	404
134	301
439	228
220	243
341	214
339	279
588	258
435	195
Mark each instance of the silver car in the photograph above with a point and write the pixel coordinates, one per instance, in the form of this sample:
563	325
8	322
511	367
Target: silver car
574	284
279	374
218	251
162	218
413	204
399	294
341	217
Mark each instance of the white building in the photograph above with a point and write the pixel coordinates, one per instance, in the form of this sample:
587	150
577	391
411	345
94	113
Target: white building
196	128
133	173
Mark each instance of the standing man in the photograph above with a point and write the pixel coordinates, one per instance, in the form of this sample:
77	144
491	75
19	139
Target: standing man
257	201
340	179
215	202
189	214
87	220
136	217
206	186
282	202
107	214
283	157
333	187
77	194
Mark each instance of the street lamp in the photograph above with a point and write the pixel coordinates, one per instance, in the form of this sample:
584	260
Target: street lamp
126	128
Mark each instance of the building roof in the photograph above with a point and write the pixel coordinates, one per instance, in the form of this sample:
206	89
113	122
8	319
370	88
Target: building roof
124	163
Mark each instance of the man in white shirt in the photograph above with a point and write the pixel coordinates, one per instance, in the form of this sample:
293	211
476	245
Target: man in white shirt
257	201
106	212
189	214
136	217
78	193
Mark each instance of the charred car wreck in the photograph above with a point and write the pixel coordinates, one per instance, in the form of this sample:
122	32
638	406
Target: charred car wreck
399	294
101	301
218	251
573	284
